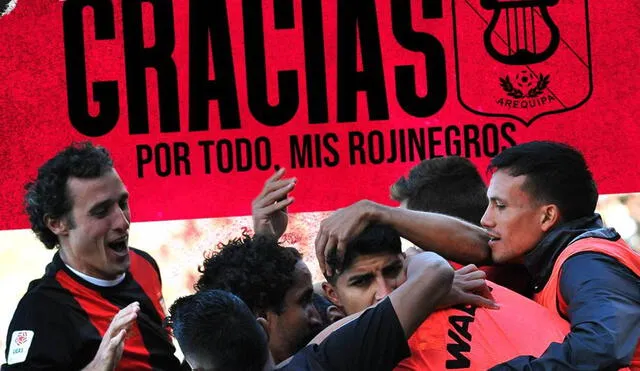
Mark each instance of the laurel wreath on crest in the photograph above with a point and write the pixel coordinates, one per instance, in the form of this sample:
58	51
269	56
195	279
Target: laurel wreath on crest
512	91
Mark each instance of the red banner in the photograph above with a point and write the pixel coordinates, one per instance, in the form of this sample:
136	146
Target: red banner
198	101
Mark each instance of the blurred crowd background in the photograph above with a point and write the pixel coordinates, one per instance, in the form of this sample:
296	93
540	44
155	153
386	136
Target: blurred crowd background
179	247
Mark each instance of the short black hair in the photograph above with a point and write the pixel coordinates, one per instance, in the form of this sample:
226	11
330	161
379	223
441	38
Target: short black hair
447	185
556	173
48	194
218	326
376	238
257	269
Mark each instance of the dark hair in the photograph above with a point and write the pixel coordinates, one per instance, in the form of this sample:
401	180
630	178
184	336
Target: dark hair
258	270
374	239
556	173
448	185
48	194
218	326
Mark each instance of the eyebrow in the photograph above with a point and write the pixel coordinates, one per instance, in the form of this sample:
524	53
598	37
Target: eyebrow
107	203
103	204
394	264
360	276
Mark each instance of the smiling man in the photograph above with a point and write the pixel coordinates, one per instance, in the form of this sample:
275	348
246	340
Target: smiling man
99	304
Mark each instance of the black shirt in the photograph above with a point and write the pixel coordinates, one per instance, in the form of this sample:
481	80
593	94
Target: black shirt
59	322
373	342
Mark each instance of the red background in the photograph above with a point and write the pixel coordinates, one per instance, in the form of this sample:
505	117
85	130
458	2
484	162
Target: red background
34	119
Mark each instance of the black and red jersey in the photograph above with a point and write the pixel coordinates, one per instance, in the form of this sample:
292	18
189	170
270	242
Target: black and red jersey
60	321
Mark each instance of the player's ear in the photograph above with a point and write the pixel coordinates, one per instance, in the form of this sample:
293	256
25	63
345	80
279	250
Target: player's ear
59	226
549	217
331	294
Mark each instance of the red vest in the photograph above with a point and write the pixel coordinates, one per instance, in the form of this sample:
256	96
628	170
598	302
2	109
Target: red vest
550	296
477	338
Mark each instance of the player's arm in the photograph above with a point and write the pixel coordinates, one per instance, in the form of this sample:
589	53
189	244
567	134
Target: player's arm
468	287
429	279
439	276
376	339
604	311
448	236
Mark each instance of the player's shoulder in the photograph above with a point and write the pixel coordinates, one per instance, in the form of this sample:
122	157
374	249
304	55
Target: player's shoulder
44	303
42	291
142	253
144	257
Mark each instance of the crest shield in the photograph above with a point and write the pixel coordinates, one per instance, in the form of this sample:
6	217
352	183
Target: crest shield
522	59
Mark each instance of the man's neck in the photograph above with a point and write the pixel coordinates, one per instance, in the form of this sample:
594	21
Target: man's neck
83	274
97	281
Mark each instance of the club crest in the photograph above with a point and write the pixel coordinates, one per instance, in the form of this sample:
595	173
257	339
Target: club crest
522	59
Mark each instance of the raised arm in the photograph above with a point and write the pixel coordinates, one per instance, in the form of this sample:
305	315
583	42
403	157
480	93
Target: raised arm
448	236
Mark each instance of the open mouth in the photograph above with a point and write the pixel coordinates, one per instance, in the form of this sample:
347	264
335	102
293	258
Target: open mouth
119	245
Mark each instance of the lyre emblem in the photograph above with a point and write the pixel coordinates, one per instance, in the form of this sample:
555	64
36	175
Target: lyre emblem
531	35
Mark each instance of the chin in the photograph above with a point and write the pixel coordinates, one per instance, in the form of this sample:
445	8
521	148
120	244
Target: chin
501	258
122	267
509	260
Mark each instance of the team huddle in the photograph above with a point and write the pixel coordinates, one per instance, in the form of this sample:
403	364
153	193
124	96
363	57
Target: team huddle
556	289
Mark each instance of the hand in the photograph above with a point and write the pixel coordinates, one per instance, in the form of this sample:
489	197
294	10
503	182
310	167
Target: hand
338	229
469	287
269	209
112	344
